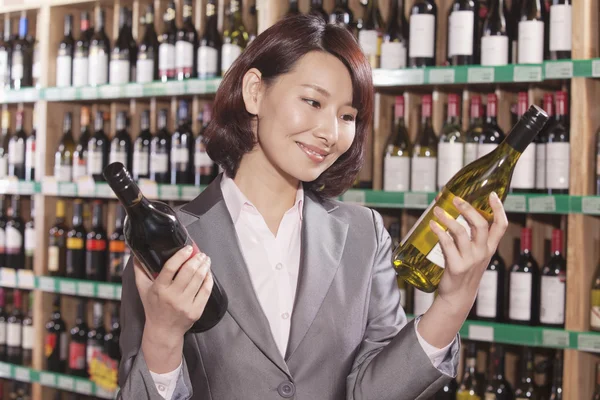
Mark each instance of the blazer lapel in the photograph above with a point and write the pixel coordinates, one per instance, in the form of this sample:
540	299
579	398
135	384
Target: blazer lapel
215	235
323	241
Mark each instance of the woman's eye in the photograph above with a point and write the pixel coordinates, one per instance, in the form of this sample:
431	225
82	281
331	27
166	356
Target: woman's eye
348	117
313	103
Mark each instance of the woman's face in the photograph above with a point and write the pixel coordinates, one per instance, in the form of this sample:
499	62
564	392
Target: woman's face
305	118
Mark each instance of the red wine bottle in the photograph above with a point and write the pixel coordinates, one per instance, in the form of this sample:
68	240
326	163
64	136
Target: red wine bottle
95	342
160	151
147	61
423	23
553	285
96	246
495	46
154	233
15	230
111	338
182	148
78	345
186	45
523	287
491	134
141	149
209	49
55	347
3	317
558	149
117	248
497	386
166	49
64	59
28	338
75	253
560	29
14	330
463	47
99	52
120	67
490	298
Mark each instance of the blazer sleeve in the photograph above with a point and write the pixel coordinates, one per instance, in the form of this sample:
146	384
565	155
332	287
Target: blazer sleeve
135	381
390	363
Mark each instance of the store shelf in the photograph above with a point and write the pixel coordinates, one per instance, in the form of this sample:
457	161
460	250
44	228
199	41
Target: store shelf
51	379
24	188
27	95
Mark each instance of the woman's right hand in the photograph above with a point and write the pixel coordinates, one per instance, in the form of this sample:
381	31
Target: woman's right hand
172	305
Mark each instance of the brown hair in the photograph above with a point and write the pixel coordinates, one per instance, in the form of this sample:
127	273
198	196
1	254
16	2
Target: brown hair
274	52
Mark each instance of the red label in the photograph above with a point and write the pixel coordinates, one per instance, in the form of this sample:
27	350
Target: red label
95	245
77	356
50	344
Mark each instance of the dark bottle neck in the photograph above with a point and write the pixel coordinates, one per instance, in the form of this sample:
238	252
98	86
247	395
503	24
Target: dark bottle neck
17	301
526	128
68	122
122	19
127	191
84	25
162	119
527	367
2	298
56	307
120	218
145	121
98	315
496	9
78	214
99	122
187	12
19	122
100	21
16	206
97	216
68	25
498	364
80	312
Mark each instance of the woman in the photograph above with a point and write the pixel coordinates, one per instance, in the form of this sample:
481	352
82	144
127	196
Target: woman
314	309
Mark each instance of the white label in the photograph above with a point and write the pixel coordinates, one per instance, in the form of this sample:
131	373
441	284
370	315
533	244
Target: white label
202	159
540	166
531	42
4	67
460	33
552	307
64	346
396	173
98	67
145	70
63	173
494	50
118	156
416	225
422	302
30	153
79	170
208	62
13	335
36	71
487	295
94	162
29	240
367	39
422	35
2	333
422	177
179	155
470	153
524	173
16	152
28	337
560	27
184	55
557	165
450	161
119	72
594	318
80	71
393	55
4	166
17	65
160	163
14	239
166	56
520	296
140	162
436	254
63	70
229	53
485	148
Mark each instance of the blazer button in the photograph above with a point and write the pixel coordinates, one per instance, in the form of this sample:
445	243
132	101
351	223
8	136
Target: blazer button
286	389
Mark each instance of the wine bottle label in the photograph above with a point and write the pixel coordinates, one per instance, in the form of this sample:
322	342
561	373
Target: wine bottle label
16	152
208	62
4	67
531	42
160	163
229	53
80	70
36	69
14	240
4	166
13	334
557	165
490	396
64	346
524	174
422	302
202	159
179	155
166	59
145	70
94	350
594	316
117	258
487	296
30	153
396	173
422	35
94	162
184	57
2	333
95	245
450	161
2	242
560	27
403	297
29	241
460	31
393	55
140	162
422	178
540	165
436	254
552	307
470	153
118	155
62	173
119	71
117	246
370	42
63	70
17	65
53	258
77	356
28	337
485	148
50	344
74	243
98	66
494	50
79	166
519	308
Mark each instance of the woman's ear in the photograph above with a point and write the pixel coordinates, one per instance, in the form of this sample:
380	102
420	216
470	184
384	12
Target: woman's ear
251	90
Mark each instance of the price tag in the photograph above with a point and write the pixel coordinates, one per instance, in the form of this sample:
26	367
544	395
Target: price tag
481	75
52	94
189	192
67	189
118	291
588	342
8	277
175	88
134	90
196	86
596	68
26	188
68	93
67	287
154	89
415	200
30	95
106	291
559	70
47	379
552	338
4	186
483	333
149	188
590	205
86	186
83	387
65	383
103	393
527	73
85	289
169	192
12	185
415	76
50	186
110	91
22	374
5	370
2	96
25	279
89	93
354	197
441	75
544	204
47	284
515	203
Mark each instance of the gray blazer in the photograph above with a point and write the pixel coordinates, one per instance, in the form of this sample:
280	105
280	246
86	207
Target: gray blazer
349	336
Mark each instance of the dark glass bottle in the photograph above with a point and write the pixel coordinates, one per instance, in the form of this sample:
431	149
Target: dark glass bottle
316	8
205	169
556	391
3	220
463	34
117	249
209	48
15	230
397	153
6	56
182	148
95	342
57	242
423	28
166	49
186	45
63	157
28	340
470	387
147	61
395	38
111	339
120	144
64	59
16	149
293	9
526	388
490	303
495	42
30	151
97	149
424	154
154	234
76	238
370	36
56	342
96	246
80	155
560	36
160	151
99	53
553	285
558	148
81	65
141	149
491	134
120	67
3	318
341	14
78	345
533	32
497	386
523	307
22	57
14	330
29	240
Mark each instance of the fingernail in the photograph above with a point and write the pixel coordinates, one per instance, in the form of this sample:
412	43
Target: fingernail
437	211
495	196
458	202
188	249
432	224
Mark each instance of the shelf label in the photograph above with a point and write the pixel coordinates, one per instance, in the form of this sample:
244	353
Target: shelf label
110	91
175	88
25	279
47	284
543	204
408	76
197	86
590	205
118	291
415	200
515	203
527	73
65	383
5	370
67	189
555	338
68	93
8	277
88	93
169	192
189	192
480	75
354	196
596	68
480	332
30	95
26	187
85	289
559	70
106	291
149	188
67	287
22	374
86	186
52	94
134	90
47	379
83	387
588	342
105	394
441	75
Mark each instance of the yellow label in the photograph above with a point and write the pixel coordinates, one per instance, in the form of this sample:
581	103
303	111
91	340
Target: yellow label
75	243
467	395
5	119
53	255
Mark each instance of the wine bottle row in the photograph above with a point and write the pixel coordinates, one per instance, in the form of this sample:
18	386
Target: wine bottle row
177	158
17	336
17	238
17	149
429	162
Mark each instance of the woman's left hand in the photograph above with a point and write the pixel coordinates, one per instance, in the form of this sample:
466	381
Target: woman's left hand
467	258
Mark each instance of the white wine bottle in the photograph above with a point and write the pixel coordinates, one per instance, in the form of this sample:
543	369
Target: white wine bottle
419	259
